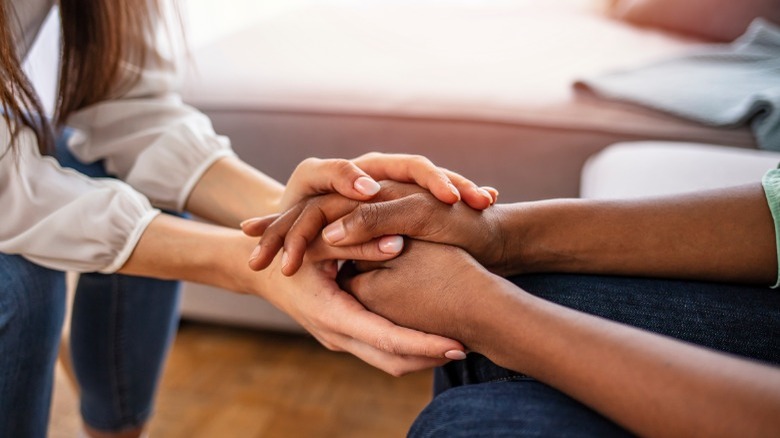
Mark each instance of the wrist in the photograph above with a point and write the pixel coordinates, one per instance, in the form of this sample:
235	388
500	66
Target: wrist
475	328
514	328
490	247
512	245
231	191
537	237
480	328
232	264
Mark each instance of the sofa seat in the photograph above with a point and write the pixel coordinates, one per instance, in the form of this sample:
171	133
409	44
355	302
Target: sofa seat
634	170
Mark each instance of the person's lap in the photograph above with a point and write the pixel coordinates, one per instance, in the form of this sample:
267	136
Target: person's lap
478	396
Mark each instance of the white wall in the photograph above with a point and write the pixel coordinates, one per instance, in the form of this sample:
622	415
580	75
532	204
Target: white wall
42	62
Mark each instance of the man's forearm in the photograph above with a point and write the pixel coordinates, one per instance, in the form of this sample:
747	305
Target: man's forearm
721	235
654	386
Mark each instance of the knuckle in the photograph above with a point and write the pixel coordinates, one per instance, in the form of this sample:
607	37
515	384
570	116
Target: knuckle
369	156
420	160
362	252
417	224
311	161
368	216
278	228
306	164
327	343
387	343
396	371
311	214
331	346
272	238
342	166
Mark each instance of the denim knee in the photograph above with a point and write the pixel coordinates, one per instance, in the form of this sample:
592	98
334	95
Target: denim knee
32	308
522	408
737	319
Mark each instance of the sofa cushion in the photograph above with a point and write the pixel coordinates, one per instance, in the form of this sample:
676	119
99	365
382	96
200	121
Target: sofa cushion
638	169
719	20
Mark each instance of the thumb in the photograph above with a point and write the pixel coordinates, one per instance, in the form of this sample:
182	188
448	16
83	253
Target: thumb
314	176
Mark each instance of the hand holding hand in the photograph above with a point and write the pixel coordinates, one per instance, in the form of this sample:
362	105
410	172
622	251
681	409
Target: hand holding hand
398	209
431	287
338	321
357	179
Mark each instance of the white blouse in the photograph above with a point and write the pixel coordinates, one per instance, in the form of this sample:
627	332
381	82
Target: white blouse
158	146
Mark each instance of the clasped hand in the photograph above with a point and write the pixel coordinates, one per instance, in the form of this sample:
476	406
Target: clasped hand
312	296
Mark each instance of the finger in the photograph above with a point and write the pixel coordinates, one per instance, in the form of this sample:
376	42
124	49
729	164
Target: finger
273	239
334	175
378	332
493	193
382	334
392	364
303	231
369	221
307	226
410	168
346	316
475	197
255	227
375	251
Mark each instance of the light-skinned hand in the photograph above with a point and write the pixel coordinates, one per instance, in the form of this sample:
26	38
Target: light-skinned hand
338	321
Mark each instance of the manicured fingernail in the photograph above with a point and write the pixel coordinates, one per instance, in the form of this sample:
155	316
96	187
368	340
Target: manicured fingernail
454	190
493	193
455	355
486	194
249	221
391	244
334	232
255	253
367	186
285	259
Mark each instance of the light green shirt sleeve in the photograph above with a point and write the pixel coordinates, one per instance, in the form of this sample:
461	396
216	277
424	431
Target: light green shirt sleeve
771	183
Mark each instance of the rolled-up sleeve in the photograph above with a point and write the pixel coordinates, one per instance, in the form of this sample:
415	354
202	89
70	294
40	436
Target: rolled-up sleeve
147	136
771	183
63	220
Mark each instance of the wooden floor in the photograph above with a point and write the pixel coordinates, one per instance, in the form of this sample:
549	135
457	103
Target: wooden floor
243	383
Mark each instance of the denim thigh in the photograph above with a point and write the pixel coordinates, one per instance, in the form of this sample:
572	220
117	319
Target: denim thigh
737	319
121	329
32	308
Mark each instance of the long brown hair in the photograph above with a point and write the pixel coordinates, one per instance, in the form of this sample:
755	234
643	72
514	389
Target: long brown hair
98	37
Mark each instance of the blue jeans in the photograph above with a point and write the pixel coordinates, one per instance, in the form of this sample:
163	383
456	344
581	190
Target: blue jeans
478	398
121	329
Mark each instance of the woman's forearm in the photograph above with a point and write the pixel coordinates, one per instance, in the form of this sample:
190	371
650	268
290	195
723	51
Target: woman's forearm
175	248
654	386
723	235
231	191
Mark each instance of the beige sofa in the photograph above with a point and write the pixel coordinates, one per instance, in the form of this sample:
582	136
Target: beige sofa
632	170
482	87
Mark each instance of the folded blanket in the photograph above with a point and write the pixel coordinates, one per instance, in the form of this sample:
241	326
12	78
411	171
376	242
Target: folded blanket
725	85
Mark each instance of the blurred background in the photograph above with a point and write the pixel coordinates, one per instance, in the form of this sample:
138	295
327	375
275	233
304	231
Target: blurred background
483	87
